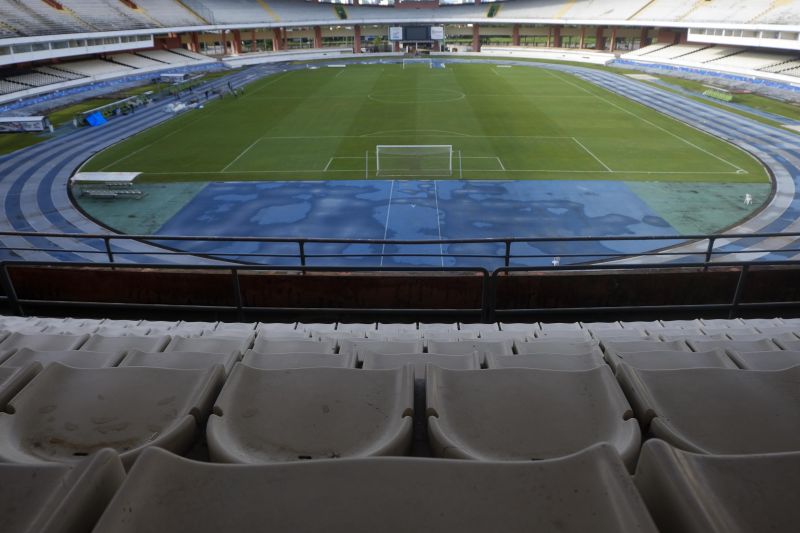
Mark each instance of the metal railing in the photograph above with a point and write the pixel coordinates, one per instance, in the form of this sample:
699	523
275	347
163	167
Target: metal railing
507	251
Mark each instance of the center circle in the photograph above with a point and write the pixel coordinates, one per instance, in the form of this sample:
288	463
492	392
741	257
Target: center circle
430	96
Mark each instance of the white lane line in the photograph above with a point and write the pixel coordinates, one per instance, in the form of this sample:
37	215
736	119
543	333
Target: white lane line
238	157
592	154
628	111
386	227
438	221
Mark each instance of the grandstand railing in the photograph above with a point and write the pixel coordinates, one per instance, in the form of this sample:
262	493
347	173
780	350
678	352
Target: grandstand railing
674	247
488	309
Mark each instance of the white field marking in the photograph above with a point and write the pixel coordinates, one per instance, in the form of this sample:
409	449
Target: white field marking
556	171
438	221
339	73
502	166
592	154
628	111
499	162
401	132
279	77
238	157
503	66
422	133
386	227
328	165
337	66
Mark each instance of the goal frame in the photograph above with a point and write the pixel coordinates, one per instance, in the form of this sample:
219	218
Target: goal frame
445	148
412	60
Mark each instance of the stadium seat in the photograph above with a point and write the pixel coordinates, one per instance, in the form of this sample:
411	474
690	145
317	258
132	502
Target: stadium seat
42	341
523	414
614	348
378	361
787	341
52	498
311	413
279	329
467	347
671	359
395	330
74	358
65	413
181	360
728	346
559	347
772	360
478	327
126	343
714	410
358	346
586	361
284	345
12	379
696	493
587	491
212	344
528	329
298	360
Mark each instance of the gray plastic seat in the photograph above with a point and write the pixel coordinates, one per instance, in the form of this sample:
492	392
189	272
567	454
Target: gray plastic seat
380	346
728	346
560	326
741	332
558	347
57	498
377	361
523	414
585	361
714	410
621	335
395	330
316	328
357	328
787	341
298	360
596	327
183	360
682	324
672	335
283	345
565	335
191	329
65	413
311	413
64	329
516	337
74	358
124	331
467	347
122	345
671	359
42	342
478	327
213	344
233	329
646	325
696	493
528	329
776	331
279	329
773	360
588	491
12	379
722	322
613	348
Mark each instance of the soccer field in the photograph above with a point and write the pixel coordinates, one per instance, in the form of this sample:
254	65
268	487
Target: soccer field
509	123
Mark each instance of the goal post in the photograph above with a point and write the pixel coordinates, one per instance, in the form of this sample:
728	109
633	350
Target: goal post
414	160
418	60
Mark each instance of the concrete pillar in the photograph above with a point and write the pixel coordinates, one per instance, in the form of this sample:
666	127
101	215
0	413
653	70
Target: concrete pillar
236	42
223	40
599	43
643	37
317	37
253	44
357	39
556	37
396	46
515	35
276	39
476	38
613	39
582	42
194	44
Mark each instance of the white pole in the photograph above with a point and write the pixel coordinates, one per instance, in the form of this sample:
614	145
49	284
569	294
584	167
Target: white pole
366	164
460	168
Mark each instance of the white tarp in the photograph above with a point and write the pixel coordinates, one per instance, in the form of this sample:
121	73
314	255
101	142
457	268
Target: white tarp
104	177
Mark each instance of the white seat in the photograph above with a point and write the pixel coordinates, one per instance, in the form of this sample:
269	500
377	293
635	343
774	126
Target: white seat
721	323
529	330
586	361
12	379
359	346
558	347
66	413
435	327
378	361
671	359
614	348
64	329
283	345
714	410
57	498
42	342
74	358
682	324
183	360
213	344
122	345
564	335
772	360
516	337
781	331
729	346
787	341
588	491
478	327
233	329
560	326
523	414
311	413
594	327
298	360
695	493
741	332
318	328
642	324
279	329
191	329
467	347
621	335
758	323
395	330
358	328
124	331
449	336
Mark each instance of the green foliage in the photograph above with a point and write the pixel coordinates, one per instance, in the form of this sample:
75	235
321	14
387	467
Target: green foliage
341	12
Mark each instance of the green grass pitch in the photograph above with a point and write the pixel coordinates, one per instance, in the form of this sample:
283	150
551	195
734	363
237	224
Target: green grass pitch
503	123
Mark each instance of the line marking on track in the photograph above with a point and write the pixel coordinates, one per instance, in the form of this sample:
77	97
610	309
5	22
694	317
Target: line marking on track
591	154
628	111
386	227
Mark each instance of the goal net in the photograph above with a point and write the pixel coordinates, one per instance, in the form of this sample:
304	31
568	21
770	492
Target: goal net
427	61
414	160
